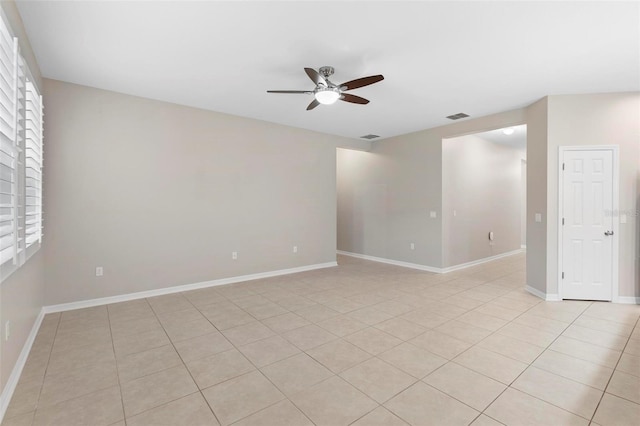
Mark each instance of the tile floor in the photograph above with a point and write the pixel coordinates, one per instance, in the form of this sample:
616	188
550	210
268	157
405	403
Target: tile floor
360	344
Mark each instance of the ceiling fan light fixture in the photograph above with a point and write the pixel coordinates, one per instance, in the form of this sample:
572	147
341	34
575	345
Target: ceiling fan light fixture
327	96
508	131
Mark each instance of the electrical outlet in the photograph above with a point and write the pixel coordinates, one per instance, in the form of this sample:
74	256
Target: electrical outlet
7	330
99	271
433	214
234	255
538	217
295	249
413	246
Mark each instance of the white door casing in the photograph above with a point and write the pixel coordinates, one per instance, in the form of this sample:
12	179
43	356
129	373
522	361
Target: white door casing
588	227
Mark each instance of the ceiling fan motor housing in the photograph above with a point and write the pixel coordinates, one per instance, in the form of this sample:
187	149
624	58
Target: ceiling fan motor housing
326	71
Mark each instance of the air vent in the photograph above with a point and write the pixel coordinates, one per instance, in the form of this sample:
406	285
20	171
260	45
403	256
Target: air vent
457	116
369	136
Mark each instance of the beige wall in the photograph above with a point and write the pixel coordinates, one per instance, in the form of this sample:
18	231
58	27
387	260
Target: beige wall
385	196
481	182
600	119
160	194
22	294
537	195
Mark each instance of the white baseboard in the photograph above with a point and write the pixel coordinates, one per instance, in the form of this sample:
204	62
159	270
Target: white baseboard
429	268
544	296
391	261
180	288
628	300
479	261
12	382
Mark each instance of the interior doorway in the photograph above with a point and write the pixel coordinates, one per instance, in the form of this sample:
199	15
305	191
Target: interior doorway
588	198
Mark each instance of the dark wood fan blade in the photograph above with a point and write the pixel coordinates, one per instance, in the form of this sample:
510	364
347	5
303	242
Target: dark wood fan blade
315	77
353	99
313	104
304	92
361	82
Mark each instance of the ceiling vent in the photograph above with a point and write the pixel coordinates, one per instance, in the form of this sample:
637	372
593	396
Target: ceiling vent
369	137
457	116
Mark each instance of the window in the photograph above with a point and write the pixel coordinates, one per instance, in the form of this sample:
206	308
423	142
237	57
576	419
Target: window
21	154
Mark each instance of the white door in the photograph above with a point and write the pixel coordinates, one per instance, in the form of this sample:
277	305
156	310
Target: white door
587	225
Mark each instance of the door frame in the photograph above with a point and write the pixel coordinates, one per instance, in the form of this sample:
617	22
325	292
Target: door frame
615	149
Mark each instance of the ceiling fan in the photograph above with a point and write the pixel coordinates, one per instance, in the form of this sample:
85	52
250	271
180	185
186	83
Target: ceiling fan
327	93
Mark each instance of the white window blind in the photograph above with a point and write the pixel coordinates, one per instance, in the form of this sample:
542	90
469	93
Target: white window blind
33	165
8	147
21	157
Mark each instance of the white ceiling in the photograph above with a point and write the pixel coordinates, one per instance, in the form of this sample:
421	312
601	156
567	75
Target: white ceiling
518	139
438	58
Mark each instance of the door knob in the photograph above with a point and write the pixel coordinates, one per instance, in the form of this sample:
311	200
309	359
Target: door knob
608	233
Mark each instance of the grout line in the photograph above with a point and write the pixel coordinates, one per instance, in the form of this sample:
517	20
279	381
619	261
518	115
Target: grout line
124	417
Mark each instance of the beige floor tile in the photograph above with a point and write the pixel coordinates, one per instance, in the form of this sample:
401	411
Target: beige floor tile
285	322
380	417
461	331
169	303
202	346
373	340
25	396
440	344
342	305
517	408
296	303
242	396
633	347
491	364
614	411
179	331
227	318
370	315
619	313
401	328
324	403
498	312
425	318
99	408
483	420
317	313
423	405
394	307
629	364
217	368
463	301
595	337
586	351
140	342
19	420
377	379
58	388
156	389
342	325
604	325
248	333
295	374
564	393
125	328
309	336
474	389
338	355
625	386
84	314
478	319
189	410
413	360
268	351
183	316
283	413
144	363
528	334
542	323
75	339
79	358
581	371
